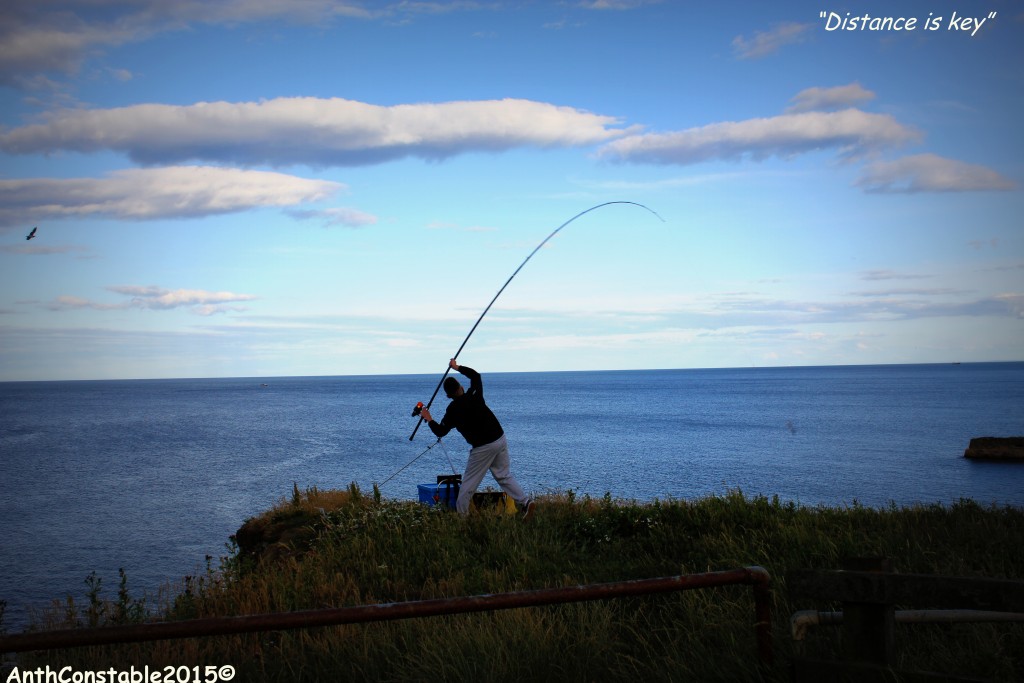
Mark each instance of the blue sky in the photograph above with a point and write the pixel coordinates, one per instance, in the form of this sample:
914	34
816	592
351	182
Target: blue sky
271	187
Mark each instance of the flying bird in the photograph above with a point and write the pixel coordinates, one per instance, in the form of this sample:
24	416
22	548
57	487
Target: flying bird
32	234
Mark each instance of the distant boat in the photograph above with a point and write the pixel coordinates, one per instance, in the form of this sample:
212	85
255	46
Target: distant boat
264	385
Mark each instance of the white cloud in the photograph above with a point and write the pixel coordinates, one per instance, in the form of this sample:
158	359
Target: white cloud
199	301
139	194
880	308
58	35
309	130
235	11
158	298
67	302
768	42
884	274
907	291
344	216
851	131
35	42
122	75
830	99
930	173
616	4
1014	303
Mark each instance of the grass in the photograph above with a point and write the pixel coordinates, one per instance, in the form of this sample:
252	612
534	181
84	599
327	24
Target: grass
344	547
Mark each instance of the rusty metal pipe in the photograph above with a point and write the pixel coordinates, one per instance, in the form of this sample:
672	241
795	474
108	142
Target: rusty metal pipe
212	626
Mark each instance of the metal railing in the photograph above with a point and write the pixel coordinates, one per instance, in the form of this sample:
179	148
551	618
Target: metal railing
756	577
869	591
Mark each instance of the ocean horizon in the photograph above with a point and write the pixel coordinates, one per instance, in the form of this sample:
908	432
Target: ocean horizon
437	375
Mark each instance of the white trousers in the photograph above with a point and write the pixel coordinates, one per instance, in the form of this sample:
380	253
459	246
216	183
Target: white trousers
494	457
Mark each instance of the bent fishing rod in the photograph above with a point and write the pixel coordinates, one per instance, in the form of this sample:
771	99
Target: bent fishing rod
419	408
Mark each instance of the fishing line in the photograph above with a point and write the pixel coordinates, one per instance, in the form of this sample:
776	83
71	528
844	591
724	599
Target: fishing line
447	455
536	249
414	460
436	443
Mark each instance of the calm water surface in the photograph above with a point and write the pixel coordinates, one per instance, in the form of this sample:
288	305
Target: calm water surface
153	476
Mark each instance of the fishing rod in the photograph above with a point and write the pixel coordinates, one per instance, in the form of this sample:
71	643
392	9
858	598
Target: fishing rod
419	407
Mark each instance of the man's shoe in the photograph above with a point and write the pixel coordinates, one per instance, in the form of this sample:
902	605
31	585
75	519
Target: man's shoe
528	509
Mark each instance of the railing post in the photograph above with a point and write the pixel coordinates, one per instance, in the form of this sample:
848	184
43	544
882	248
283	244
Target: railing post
763	615
869	627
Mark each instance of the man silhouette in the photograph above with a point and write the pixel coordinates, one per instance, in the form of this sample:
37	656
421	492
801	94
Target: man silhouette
469	414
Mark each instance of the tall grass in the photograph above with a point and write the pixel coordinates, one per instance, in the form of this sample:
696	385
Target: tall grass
343	547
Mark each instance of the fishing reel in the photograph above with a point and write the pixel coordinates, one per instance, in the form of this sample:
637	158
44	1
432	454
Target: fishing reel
417	409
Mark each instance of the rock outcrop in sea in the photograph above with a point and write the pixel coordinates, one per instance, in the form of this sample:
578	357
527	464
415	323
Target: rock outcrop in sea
996	448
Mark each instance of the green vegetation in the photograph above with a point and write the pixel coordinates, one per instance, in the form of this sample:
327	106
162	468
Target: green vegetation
337	548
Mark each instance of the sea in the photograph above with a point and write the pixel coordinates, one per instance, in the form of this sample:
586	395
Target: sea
154	476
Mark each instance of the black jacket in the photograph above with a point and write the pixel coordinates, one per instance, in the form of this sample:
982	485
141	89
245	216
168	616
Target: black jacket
469	414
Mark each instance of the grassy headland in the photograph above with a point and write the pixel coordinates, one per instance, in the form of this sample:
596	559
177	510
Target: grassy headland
344	547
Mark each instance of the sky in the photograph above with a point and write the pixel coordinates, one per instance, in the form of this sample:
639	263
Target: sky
261	188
